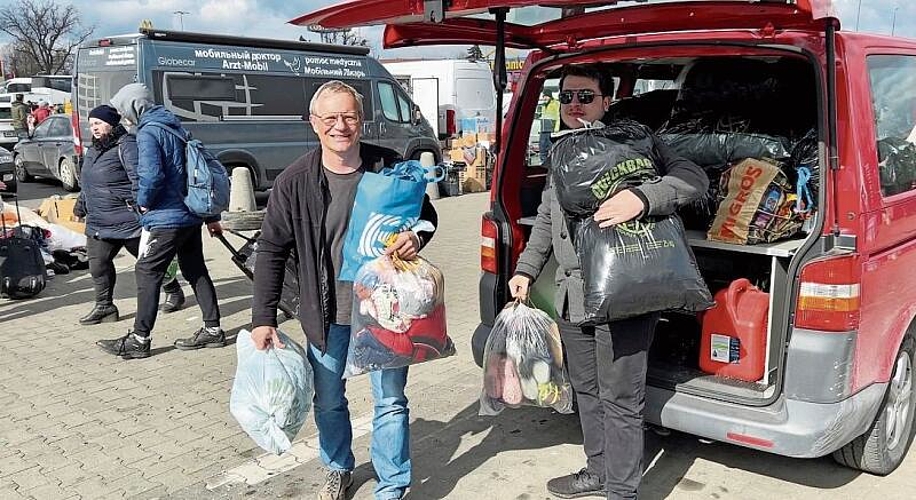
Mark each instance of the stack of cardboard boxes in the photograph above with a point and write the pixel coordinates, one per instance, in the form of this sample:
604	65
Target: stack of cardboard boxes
471	150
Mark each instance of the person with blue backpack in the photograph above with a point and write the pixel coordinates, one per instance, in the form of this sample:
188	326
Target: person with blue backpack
179	190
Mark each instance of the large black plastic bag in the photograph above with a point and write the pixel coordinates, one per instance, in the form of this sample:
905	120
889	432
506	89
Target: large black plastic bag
628	269
638	268
588	163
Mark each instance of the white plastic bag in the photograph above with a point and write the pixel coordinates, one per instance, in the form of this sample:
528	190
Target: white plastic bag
272	392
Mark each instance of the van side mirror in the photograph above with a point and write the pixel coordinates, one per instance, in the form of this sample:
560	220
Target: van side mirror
417	115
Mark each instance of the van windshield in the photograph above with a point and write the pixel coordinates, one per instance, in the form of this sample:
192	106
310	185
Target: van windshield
18	87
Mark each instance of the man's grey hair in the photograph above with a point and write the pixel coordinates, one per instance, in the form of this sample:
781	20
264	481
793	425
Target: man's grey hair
337	86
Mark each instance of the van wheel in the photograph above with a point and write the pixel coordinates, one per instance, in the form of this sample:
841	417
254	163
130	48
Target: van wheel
22	175
881	449
68	175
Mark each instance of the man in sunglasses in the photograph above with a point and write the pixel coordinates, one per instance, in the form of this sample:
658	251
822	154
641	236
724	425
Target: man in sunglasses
308	213
607	363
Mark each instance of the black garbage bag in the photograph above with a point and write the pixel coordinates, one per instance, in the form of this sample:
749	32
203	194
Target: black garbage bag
897	166
716	150
638	268
634	268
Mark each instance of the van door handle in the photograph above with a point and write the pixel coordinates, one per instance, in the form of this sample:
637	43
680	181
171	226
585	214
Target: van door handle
382	128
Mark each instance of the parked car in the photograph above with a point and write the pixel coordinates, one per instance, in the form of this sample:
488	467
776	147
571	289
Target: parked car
8	137
840	333
7	172
49	152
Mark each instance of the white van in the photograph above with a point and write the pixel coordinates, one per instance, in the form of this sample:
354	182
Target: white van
456	96
53	89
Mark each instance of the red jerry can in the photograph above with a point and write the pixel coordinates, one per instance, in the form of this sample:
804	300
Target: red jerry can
734	339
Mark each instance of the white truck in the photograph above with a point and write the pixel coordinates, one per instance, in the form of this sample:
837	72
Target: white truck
455	95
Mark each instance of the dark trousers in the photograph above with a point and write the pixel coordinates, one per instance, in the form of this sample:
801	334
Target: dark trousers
102	253
162	246
607	368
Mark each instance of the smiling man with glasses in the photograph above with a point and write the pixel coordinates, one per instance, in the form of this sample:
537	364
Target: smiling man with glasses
308	212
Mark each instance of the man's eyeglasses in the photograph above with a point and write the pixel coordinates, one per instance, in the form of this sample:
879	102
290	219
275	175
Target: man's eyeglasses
330	119
584	96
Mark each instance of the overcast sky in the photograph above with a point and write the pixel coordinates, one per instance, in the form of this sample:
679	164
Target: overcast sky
268	18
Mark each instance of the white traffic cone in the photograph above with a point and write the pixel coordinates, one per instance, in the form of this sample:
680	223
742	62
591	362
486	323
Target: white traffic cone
241	198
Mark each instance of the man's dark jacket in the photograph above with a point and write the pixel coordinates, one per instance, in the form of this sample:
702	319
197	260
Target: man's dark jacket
295	221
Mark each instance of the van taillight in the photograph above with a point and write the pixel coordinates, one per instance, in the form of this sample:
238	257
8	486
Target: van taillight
451	124
77	132
828	295
489	236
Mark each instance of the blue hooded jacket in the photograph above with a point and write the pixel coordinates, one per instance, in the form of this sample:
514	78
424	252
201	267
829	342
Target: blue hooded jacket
161	173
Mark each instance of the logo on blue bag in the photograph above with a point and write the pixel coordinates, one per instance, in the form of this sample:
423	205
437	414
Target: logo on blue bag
380	228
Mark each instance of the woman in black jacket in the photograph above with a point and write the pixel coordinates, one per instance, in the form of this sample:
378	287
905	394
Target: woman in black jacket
109	181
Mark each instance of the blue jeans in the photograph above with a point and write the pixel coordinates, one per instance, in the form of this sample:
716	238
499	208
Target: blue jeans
390	449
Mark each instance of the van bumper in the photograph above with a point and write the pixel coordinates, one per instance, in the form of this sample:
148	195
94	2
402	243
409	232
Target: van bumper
787	427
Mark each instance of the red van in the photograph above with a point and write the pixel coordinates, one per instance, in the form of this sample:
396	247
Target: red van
839	335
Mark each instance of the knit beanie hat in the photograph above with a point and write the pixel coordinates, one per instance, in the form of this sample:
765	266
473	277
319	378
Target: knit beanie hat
107	114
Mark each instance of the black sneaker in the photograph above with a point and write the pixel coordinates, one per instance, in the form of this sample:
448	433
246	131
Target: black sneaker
205	337
174	301
101	314
576	485
129	346
335	485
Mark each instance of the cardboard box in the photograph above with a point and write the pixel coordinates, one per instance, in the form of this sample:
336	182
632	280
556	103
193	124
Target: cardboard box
57	210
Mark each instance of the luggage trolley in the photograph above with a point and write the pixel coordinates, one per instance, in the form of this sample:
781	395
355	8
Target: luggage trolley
245	257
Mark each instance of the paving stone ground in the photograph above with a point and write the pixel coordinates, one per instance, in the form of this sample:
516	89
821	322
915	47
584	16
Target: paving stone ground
76	423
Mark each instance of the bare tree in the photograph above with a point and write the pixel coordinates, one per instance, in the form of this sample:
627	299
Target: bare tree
475	53
44	35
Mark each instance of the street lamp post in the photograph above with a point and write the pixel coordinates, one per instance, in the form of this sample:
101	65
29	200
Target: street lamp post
181	14
894	22
858	15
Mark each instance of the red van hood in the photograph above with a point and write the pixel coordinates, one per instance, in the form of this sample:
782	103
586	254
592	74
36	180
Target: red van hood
410	22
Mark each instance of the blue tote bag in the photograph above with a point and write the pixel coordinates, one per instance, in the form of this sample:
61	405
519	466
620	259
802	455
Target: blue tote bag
387	203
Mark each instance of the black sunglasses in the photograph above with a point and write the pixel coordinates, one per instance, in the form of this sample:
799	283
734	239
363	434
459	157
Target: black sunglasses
584	96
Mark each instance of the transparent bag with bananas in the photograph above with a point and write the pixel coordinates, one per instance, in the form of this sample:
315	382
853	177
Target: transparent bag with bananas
523	363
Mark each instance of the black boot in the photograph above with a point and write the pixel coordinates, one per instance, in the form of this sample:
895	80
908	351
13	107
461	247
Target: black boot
579	484
174	300
101	313
129	346
205	337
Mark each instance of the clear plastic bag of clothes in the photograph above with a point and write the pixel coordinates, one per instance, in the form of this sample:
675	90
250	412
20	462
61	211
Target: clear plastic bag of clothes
629	269
523	363
272	392
398	316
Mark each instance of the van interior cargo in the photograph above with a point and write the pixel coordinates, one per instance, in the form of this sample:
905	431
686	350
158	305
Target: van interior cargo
718	112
